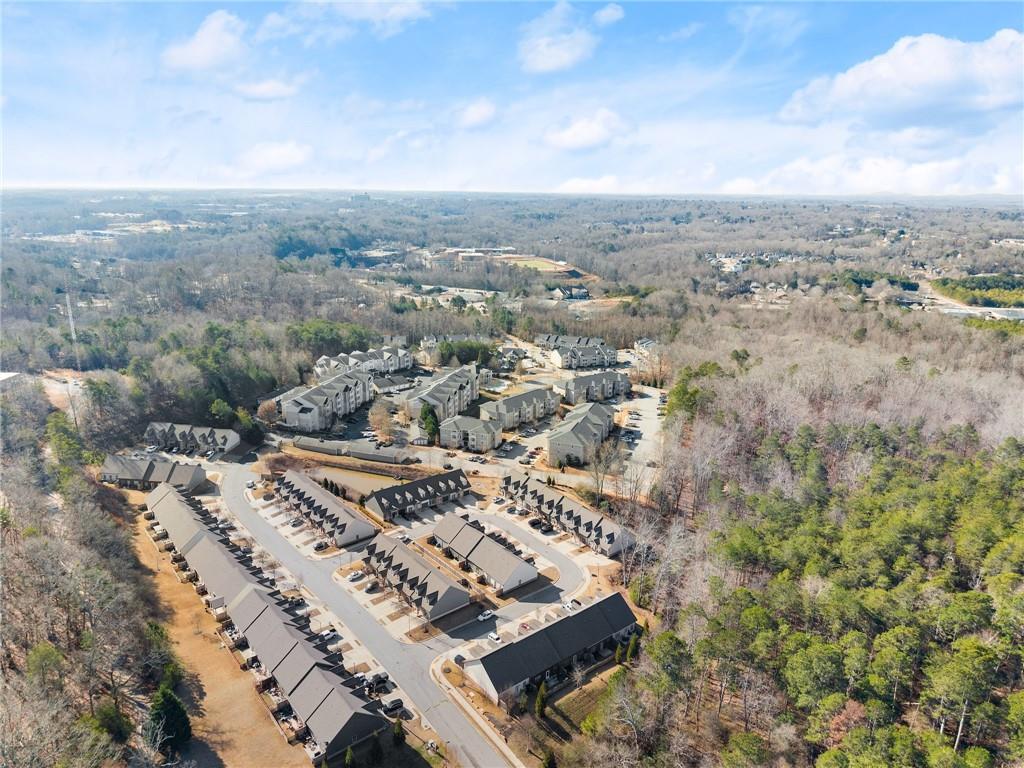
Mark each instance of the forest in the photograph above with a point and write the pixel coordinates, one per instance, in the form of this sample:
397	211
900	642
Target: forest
832	548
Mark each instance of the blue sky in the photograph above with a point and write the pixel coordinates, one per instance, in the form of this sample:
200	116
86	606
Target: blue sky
781	98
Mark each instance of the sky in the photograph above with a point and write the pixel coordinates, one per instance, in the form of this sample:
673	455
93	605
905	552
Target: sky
610	98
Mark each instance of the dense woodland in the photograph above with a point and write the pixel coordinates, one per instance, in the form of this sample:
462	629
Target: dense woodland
833	548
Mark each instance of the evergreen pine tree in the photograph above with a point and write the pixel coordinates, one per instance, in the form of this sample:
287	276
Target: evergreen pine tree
168	714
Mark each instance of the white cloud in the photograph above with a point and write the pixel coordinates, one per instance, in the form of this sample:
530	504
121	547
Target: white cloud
587	132
685	32
269	158
610	14
218	41
768	25
922	74
878	175
271	89
602	185
555	41
328	23
478	114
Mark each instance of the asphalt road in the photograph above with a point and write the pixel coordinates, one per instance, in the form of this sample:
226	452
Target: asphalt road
408	664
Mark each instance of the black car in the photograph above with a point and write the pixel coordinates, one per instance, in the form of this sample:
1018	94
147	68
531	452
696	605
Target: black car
320	546
547	528
536	522
390	707
447	465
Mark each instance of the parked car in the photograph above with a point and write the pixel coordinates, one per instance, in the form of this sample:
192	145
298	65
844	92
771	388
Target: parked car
499	500
393	706
547	528
485	615
447	465
404	538
320	546
536	522
494	636
251	484
355	576
295	522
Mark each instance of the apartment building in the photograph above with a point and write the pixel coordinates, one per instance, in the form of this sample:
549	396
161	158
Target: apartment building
577	437
470	434
449	393
527	406
595	387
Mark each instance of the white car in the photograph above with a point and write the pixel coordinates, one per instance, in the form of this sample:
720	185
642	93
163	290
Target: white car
355	576
150	449
499	500
569	607
494	636
485	616
251	484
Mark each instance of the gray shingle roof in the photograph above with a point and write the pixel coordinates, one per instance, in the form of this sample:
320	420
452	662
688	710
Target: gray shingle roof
556	643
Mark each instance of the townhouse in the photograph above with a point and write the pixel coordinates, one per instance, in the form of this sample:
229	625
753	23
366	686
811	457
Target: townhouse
527	406
291	663
341	523
380	361
553	341
415	495
502	567
314	409
431	593
595	387
597	531
595	356
449	393
575	440
146	474
187	437
470	434
584	638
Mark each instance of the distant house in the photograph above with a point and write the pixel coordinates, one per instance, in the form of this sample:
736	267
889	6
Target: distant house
576	439
553	340
418	494
314	409
597	531
504	569
146	474
571	293
596	387
548	654
470	434
429	591
292	662
186	437
380	361
344	525
645	347
527	406
590	356
449	394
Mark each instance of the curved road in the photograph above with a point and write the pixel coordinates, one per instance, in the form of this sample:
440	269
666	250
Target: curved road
407	663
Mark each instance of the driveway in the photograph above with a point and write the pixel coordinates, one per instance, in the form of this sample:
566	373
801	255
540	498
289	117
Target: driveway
408	664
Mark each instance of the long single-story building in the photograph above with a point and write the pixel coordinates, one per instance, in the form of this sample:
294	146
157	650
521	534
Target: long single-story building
530	405
187	437
343	524
334	717
595	387
576	439
147	474
548	654
424	587
504	569
418	494
469	433
597	531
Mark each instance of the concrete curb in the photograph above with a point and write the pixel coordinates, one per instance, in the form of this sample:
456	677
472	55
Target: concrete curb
481	724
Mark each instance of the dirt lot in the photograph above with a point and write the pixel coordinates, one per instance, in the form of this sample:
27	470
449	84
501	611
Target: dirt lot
229	724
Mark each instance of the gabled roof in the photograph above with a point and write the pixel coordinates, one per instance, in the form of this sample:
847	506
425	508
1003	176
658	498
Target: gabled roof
557	642
400	496
471	544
